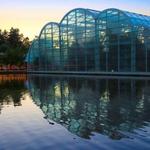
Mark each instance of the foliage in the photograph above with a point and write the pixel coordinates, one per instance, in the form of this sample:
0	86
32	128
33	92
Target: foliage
13	47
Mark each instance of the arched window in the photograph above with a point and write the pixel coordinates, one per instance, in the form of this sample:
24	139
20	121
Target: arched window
122	41
77	32
49	47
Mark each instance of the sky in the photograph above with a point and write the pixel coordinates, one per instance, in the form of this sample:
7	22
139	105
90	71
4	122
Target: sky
31	15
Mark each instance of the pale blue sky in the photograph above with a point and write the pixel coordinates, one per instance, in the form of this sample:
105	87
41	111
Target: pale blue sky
31	15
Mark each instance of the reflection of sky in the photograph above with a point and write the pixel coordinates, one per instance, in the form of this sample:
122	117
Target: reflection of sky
31	15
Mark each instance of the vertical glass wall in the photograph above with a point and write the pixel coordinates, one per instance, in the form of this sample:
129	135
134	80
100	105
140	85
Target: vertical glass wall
49	47
33	56
123	41
77	30
141	27
115	38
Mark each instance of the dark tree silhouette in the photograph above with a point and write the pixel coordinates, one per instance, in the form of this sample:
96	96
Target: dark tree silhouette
13	47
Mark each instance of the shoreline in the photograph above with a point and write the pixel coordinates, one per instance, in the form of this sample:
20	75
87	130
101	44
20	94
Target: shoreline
12	71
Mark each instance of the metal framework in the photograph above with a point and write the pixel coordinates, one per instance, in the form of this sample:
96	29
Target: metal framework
124	41
77	35
49	47
33	56
87	40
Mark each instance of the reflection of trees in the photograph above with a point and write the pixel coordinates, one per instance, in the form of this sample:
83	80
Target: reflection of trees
83	106
11	92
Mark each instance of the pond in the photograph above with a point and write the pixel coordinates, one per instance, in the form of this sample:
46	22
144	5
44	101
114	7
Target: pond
74	112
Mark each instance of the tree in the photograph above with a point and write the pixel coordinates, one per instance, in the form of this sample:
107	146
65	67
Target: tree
13	47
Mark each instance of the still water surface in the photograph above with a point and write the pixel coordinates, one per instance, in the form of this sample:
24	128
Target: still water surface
66	112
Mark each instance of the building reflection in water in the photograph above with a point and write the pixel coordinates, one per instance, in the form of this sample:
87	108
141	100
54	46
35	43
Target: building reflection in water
113	107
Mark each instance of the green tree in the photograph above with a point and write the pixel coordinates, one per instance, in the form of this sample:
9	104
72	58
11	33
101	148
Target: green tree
13	47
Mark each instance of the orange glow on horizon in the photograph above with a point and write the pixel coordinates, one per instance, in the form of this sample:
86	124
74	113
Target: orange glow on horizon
30	23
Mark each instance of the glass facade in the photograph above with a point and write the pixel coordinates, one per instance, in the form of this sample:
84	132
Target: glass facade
123	41
49	47
87	40
77	35
33	56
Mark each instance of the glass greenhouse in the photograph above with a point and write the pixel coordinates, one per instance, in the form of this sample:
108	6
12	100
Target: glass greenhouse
90	41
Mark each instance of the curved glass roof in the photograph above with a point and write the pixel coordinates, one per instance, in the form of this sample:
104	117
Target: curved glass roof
134	18
47	25
93	13
138	19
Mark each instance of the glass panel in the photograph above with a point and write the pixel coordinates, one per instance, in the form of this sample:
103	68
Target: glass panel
78	41
49	48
